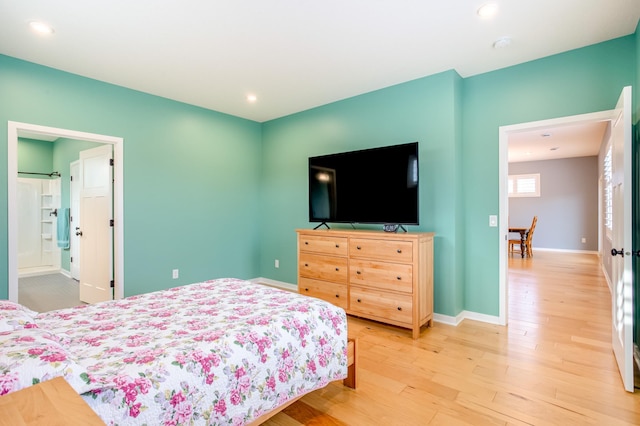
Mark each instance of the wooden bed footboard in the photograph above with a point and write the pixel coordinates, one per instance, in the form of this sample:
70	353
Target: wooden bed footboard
350	382
352	356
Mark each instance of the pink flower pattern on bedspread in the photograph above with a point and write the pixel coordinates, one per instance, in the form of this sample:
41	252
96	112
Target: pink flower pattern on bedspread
221	352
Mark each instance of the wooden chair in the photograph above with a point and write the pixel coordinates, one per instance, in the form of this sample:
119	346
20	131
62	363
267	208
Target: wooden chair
528	251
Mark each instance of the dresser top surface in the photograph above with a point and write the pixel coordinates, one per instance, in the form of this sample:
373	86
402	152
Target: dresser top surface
365	233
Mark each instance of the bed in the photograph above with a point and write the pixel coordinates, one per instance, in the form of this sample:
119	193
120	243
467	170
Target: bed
220	352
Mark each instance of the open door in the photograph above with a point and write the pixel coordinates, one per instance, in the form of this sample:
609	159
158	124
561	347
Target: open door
94	227
622	239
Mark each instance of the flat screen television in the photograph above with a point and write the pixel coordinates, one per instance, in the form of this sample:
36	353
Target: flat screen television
370	186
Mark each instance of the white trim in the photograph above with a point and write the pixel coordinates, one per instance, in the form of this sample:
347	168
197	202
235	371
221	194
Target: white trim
534	249
503	198
475	316
273	283
606	277
12	217
448	319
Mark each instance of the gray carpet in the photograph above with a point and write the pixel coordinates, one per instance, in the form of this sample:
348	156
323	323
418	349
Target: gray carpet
44	293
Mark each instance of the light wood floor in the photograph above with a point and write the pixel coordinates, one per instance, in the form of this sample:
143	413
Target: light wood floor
553	364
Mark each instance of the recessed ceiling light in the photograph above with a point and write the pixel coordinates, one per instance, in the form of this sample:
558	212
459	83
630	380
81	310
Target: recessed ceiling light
41	27
252	98
502	42
555	148
488	10
546	135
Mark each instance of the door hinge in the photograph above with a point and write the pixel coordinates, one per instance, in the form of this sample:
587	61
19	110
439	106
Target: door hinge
71	259
111	223
111	161
71	178
112	284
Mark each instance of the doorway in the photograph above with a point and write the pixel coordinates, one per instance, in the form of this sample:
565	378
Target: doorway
14	130
504	134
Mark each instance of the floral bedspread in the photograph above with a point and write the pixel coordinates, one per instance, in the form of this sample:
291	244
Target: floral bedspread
219	352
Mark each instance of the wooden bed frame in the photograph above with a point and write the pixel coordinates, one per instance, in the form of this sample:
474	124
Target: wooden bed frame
350	382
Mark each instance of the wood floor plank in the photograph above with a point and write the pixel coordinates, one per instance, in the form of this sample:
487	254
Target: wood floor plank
552	365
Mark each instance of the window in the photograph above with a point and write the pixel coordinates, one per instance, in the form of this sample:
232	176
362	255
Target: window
524	185
608	192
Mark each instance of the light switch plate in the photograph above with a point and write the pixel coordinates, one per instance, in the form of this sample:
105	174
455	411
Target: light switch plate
493	220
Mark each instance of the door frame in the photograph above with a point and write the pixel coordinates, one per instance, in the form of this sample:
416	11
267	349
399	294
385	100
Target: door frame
74	239
503	194
14	128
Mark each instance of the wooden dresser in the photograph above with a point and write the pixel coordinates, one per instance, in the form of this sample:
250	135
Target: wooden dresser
385	277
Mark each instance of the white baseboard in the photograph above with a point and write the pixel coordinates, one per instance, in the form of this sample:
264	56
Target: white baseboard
565	250
274	283
37	271
450	320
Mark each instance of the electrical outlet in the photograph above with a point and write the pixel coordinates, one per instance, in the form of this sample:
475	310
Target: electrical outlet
493	220
276	263
175	274
584	240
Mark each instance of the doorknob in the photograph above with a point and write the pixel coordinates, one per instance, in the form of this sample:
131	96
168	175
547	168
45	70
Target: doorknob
615	252
78	232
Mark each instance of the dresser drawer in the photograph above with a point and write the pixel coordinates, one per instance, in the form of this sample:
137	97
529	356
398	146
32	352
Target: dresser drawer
379	304
381	275
387	250
327	268
336	246
331	292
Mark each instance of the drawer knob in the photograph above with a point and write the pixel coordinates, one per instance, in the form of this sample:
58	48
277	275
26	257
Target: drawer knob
399	308
359	300
399	251
306	243
306	289
337	295
337	245
306	264
399	278
358	272
358	247
337	269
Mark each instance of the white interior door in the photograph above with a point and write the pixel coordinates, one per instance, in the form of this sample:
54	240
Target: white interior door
96	233
74	203
622	241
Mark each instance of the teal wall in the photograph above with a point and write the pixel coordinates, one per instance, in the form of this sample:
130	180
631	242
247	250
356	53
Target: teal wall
216	195
423	110
192	176
34	156
456	121
580	81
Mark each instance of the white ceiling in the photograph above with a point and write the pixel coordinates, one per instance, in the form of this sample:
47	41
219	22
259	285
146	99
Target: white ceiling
562	141
295	54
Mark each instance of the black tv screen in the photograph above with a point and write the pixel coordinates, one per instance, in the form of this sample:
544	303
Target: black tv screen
376	186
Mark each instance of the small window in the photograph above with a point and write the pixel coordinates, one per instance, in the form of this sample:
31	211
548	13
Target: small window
524	185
